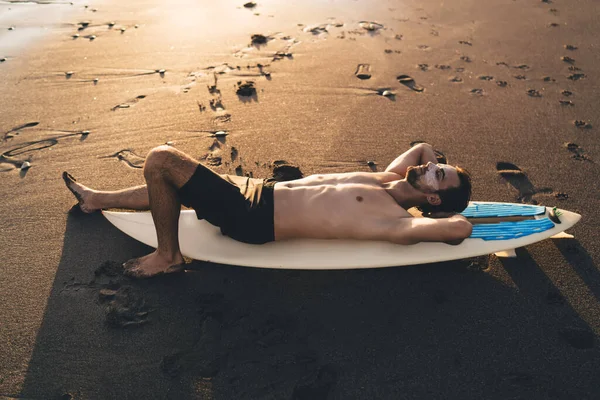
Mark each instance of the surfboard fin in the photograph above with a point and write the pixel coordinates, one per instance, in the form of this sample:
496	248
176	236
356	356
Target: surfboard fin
562	235
510	253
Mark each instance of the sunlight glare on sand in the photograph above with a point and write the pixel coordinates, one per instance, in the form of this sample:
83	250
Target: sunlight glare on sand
29	22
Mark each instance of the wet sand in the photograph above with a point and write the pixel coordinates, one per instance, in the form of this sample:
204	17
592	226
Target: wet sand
507	89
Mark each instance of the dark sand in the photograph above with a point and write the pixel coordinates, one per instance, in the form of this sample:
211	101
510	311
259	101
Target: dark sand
493	79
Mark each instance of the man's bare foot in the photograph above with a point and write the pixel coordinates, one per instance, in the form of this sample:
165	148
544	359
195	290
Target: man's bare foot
152	265
82	193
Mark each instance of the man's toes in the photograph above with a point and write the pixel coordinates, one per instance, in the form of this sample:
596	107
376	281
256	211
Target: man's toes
134	272
130	264
69	180
68	177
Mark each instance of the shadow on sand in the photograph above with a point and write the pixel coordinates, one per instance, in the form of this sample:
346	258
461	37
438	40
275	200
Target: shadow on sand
437	331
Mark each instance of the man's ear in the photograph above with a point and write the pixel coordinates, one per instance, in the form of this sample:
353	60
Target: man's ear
434	199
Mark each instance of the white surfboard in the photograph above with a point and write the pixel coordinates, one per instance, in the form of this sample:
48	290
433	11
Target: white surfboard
200	240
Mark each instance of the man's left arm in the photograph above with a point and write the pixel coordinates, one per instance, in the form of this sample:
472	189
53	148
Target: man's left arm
409	231
420	154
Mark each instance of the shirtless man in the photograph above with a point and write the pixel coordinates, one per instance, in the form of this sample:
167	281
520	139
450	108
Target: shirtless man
356	205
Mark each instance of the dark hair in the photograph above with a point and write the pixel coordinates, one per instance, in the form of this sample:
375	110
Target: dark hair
454	199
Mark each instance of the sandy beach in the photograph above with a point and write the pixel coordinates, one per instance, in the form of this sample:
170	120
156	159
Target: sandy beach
508	89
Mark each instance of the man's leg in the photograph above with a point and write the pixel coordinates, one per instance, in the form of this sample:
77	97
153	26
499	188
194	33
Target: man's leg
166	170
91	200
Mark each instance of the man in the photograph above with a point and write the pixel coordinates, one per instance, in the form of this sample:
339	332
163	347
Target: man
356	205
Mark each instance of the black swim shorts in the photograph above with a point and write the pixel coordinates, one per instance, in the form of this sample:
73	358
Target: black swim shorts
242	207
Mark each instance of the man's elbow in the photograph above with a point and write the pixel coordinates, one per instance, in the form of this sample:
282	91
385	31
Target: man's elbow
463	229
460	232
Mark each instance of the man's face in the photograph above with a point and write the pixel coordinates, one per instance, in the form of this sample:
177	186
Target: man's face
432	178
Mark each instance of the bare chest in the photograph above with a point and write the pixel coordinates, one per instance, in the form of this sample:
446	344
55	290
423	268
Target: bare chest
330	211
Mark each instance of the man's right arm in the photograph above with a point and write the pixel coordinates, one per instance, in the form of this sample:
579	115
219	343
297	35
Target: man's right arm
419	154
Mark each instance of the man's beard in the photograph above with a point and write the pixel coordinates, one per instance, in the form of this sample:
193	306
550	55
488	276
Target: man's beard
412	177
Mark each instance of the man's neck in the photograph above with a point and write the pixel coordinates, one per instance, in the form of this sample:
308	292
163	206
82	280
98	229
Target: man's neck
403	193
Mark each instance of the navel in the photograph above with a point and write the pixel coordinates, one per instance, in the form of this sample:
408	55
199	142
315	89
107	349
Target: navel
359	198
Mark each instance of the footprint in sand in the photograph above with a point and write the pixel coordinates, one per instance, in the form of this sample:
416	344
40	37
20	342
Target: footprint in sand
424	67
533	93
126	308
363	71
466	58
548	79
212	89
258	39
566	93
502	83
246	91
456	79
566	103
317	29
128	103
478	92
578	153
410	83
16	130
129	157
568	59
222	119
576	77
582	124
280	55
486	77
443	67
521	77
216	104
9	156
570	47
519	180
213	159
465	42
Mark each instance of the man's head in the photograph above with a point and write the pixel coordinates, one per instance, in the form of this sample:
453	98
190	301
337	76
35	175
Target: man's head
447	188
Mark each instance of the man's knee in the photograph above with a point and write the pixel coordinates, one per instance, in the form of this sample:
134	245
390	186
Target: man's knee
158	160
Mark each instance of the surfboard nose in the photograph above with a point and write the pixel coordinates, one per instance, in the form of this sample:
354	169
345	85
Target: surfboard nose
570	217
